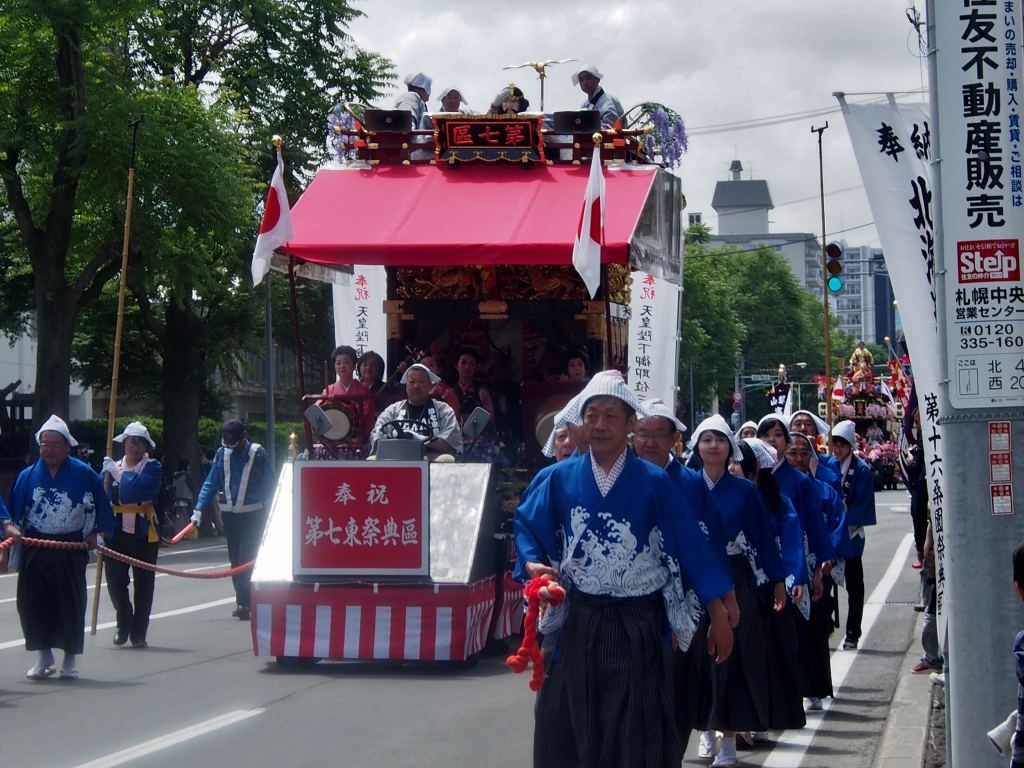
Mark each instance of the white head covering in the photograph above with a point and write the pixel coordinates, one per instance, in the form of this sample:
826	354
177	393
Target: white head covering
418	80
136	429
608	383
657	407
777	417
446	91
588	68
847	430
572	413
746	424
57	424
765	454
715	423
818	421
434	378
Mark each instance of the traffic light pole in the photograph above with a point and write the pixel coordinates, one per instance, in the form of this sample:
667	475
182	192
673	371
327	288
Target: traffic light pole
824	277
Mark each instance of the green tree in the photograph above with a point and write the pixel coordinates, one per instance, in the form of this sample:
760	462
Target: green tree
747	305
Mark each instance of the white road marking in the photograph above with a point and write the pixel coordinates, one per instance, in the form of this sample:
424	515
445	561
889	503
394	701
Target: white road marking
162	615
171	739
792	745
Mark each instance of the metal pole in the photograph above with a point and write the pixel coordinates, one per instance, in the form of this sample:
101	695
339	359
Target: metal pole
269	337
118	331
824	276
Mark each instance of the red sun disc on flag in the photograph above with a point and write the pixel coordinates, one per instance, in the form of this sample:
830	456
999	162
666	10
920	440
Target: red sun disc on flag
595	221
271	212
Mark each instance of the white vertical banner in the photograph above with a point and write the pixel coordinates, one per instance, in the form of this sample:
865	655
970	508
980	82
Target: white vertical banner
892	143
654	312
359	319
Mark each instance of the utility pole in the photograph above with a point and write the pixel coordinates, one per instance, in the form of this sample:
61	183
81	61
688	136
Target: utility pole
824	276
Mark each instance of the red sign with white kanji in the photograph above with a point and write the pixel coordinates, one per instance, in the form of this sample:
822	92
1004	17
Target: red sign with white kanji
361	518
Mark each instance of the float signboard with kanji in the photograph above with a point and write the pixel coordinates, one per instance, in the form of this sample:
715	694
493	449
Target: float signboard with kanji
359	518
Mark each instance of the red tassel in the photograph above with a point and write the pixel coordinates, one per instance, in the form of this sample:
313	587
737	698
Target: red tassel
539	589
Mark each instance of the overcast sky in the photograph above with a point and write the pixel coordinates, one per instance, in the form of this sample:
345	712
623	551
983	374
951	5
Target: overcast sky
714	61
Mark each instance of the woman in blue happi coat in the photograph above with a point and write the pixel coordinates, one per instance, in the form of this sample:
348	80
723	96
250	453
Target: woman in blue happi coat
799	489
736	694
859	496
608	526
782	628
815	652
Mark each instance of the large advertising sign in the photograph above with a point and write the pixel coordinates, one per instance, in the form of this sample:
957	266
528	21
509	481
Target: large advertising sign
982	202
358	518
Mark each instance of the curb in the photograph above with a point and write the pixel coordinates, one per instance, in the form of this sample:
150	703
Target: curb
906	729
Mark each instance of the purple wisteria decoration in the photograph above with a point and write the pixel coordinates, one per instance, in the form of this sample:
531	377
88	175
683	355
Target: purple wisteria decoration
340	119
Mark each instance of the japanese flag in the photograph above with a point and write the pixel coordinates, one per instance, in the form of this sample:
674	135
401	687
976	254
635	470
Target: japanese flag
276	227
839	390
586	250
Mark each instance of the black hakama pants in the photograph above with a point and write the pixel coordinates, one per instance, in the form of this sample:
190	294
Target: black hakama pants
51	594
815	653
786	704
607	699
733	694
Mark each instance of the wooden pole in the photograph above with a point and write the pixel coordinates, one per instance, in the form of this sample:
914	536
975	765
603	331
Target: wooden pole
114	377
824	279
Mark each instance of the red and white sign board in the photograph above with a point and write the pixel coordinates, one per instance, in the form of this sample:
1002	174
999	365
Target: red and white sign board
400	622
999	465
361	518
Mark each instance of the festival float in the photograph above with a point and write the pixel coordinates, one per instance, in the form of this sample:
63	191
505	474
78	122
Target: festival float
460	235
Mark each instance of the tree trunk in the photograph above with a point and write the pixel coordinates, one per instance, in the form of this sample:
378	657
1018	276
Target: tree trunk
55	321
183	372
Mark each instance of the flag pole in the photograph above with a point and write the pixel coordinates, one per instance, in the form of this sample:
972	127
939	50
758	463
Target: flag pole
119	329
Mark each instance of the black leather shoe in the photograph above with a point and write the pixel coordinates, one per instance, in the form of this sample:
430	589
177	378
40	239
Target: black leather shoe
120	637
139	644
243	613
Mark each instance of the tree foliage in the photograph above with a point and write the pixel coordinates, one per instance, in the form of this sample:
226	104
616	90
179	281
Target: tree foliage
212	82
746	307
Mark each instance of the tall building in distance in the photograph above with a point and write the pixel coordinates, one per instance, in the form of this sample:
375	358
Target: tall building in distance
864	307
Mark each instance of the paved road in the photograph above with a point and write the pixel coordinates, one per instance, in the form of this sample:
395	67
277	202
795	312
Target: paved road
197	696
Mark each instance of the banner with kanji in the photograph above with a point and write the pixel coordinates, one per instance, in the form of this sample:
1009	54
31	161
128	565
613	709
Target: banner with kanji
893	146
359	319
652	344
361	518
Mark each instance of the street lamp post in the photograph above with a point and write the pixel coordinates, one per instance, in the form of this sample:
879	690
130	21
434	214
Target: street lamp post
824	273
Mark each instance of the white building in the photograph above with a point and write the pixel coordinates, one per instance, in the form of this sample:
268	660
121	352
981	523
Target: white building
18	363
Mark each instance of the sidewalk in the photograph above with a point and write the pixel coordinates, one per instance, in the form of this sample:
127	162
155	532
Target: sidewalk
908	741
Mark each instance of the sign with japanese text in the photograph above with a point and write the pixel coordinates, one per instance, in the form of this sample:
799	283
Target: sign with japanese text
361	518
489	138
982	201
359	319
1002	499
652	344
893	146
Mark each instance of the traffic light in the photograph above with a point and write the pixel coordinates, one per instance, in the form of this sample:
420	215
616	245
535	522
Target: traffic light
834	267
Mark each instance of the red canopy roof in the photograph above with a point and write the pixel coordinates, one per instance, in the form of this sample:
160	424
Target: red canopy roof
472	214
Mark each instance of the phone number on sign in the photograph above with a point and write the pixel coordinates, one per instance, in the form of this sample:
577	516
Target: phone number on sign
991	336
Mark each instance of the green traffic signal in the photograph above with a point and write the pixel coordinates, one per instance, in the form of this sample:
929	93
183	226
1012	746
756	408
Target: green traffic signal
835	284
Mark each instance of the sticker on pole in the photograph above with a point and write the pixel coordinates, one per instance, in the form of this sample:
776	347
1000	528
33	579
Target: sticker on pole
1002	499
986	325
998	436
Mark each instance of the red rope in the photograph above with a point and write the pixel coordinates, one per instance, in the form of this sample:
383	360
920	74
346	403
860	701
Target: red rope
126	559
541	589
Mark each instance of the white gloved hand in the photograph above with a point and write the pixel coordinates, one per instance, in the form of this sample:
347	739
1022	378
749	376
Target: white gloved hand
197	517
418	436
110	467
